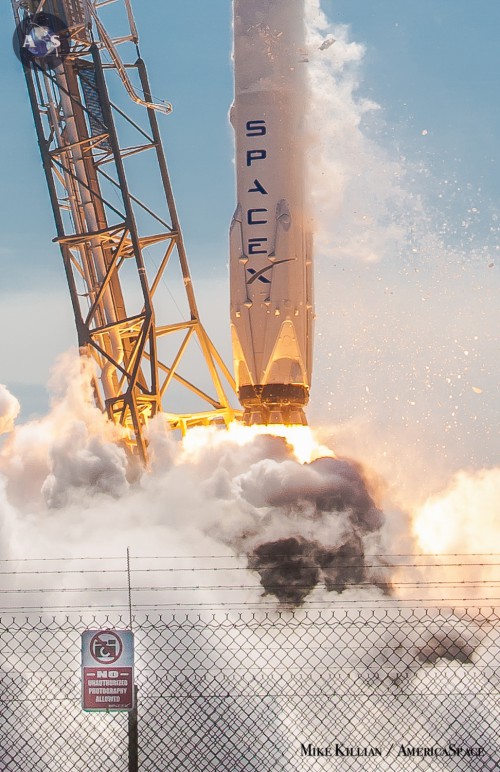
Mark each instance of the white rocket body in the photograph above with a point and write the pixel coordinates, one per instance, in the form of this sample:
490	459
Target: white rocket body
270	247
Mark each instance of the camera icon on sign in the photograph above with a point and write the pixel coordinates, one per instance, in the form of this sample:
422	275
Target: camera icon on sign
106	648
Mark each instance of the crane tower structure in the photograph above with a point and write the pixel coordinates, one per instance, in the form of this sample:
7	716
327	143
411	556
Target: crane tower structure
103	157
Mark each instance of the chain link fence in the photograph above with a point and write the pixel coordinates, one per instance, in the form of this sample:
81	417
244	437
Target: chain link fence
359	688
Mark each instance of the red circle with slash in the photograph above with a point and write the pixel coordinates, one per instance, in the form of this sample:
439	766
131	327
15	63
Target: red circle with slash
106	647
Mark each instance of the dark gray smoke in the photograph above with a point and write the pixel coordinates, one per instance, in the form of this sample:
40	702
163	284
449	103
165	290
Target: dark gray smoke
320	526
287	568
404	649
449	643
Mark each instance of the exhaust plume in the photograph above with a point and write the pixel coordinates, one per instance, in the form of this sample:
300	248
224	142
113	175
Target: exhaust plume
9	410
317	523
302	525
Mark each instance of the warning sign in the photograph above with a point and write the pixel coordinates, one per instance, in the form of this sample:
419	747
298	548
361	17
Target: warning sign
107	670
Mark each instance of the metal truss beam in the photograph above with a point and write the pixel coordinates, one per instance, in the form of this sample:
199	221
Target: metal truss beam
106	227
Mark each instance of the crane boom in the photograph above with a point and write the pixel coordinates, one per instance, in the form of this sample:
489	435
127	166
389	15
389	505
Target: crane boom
104	161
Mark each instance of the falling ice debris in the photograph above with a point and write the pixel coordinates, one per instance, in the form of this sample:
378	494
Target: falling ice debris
326	44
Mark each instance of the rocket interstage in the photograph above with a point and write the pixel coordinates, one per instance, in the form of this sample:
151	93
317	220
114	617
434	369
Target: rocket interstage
270	244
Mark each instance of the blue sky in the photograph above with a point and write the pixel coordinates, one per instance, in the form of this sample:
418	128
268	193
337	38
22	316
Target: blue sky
432	66
429	65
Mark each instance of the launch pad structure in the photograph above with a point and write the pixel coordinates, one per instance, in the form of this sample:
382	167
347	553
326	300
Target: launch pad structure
95	114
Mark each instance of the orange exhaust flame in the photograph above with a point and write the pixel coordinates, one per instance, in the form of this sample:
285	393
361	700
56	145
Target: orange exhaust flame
305	446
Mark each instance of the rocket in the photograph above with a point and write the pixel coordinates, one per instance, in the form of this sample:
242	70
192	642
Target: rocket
270	241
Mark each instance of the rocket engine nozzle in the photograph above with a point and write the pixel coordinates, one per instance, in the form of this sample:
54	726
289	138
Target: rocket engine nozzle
274	403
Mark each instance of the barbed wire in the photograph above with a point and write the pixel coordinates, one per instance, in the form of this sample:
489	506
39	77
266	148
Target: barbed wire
235	587
472	590
467	605
382	555
199	569
196	569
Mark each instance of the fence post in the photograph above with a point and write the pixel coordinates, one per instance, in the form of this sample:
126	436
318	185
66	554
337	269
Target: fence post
133	736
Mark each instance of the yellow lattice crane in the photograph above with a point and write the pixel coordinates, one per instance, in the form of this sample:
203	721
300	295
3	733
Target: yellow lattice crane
103	157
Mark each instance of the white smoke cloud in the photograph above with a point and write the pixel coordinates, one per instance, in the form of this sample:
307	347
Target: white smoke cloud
464	517
459	525
9	410
73	447
357	192
66	492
